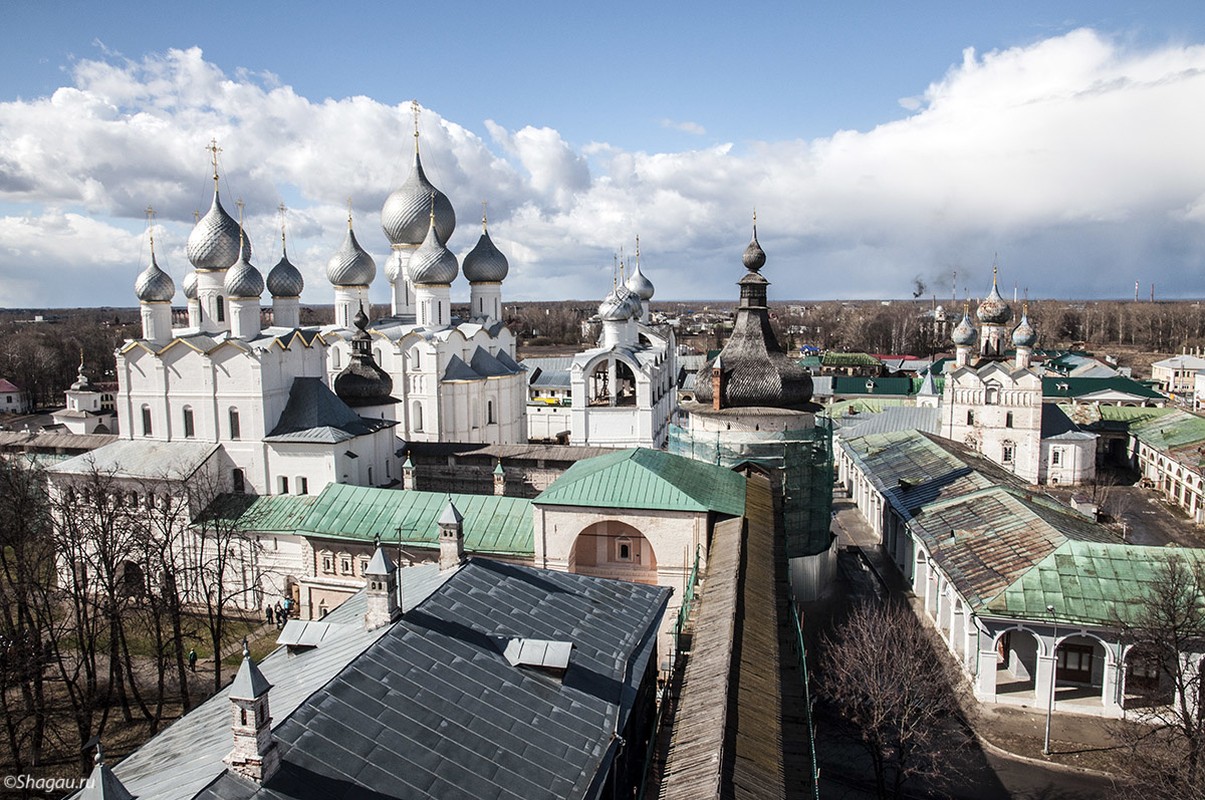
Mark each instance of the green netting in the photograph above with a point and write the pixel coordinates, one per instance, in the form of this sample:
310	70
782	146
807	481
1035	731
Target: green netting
802	461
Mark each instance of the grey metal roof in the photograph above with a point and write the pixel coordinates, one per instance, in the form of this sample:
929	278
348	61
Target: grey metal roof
553	371
485	262
314	413
351	265
457	370
433	709
153	284
489	366
249	683
140	458
180	762
891	419
406	214
214	241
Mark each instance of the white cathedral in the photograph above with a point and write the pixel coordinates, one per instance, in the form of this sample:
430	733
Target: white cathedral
292	409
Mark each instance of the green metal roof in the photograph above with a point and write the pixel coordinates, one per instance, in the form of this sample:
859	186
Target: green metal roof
1177	429
643	478
1061	386
1088	582
492	525
810	362
850	360
862	405
846	384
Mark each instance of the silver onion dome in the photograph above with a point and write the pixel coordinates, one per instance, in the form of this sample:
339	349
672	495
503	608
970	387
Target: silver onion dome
394	266
352	265
433	262
613	308
1024	335
406	214
153	285
284	280
641	285
994	310
964	333
190	286
243	279
485	262
214	241
630	300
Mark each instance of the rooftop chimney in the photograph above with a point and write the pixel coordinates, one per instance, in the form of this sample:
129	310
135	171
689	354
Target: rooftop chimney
451	537
381	591
255	754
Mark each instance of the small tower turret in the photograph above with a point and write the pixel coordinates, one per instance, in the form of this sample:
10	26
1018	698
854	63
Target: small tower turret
381	592
102	783
285	284
155	290
451	537
486	268
255	754
350	271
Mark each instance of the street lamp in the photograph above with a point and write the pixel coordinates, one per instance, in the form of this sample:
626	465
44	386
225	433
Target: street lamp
1054	674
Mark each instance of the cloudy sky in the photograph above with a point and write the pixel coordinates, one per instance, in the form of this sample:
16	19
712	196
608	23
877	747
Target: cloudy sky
880	146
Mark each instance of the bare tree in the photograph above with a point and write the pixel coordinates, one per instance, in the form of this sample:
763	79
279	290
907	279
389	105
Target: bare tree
885	677
1164	746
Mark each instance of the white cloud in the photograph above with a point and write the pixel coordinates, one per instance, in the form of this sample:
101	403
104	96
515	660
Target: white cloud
1070	157
693	128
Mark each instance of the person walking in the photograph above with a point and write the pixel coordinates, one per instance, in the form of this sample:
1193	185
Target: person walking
192	659
268	613
280	616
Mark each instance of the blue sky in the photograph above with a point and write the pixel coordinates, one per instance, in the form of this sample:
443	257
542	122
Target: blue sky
882	142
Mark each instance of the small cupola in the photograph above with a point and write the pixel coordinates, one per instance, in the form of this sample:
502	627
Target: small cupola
381	589
255	754
451	537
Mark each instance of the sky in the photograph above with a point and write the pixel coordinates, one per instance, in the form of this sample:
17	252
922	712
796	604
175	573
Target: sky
887	148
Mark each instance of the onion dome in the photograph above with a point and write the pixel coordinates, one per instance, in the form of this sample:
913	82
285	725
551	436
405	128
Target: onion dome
285	280
993	310
406	213
433	262
81	379
214	241
485	262
362	382
754	258
243	280
964	333
153	284
638	284
1024	335
613	308
630	300
351	266
393	266
754	370
190	286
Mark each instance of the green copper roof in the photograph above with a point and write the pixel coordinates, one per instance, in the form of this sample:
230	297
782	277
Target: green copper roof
1088	582
850	360
862	405
643	478
492	525
1173	430
1061	386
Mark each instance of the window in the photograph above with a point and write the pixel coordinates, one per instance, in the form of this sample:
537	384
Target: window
970	418
189	430
221	309
238	480
1008	420
335	358
992	395
416	416
363	566
322	610
345	564
303	485
1056	457
242	712
328	563
1006	456
370	476
623	549
489	412
235	428
284	484
415	359
146	420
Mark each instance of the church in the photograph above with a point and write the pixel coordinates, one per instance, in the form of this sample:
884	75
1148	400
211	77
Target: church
294	408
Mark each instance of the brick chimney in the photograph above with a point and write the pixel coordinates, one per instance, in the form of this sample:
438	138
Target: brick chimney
381	589
451	537
717	384
255	754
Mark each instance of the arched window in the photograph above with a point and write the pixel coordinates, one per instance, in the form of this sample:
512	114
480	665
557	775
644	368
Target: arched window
416	416
1008	420
970	417
189	430
146	420
235	428
238	481
489	412
415	358
334	358
221	306
992	396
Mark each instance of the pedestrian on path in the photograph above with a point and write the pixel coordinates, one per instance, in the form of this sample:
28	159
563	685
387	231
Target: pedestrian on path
192	659
268	613
280	616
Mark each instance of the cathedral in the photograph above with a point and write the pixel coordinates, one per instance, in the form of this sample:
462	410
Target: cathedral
995	405
295	408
